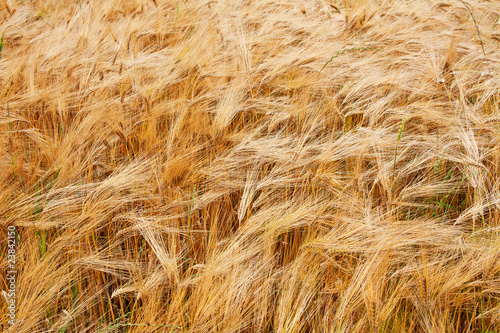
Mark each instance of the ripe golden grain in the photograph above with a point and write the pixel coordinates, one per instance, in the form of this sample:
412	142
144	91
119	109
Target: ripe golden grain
251	166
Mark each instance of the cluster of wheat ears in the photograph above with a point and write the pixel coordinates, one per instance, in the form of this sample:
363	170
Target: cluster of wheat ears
251	165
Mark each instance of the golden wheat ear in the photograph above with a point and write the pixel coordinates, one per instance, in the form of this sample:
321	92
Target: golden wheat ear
249	166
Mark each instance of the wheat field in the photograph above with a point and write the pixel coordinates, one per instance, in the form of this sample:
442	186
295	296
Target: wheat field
251	166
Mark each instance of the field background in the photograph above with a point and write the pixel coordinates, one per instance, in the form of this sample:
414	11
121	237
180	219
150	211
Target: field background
251	166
